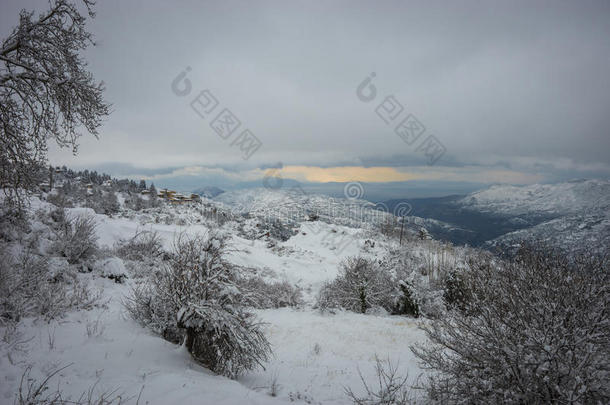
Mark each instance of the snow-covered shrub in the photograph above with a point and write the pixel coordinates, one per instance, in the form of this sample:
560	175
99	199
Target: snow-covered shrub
151	310
390	227
112	268
456	293
13	223
57	218
29	288
197	291
277	229
276	294
59	199
109	203
24	288
535	331
76	240
143	246
223	336
361	284
406	302
34	391
391	389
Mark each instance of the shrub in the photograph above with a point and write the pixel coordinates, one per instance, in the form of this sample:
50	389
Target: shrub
14	223
198	293
226	338
109	203
24	289
28	289
144	245
277	294
456	293
39	392
390	227
76	240
59	199
536	331
153	311
406	302
360	285
392	389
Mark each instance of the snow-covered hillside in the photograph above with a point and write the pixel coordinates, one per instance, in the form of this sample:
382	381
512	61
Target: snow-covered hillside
315	355
569	215
296	205
573	215
576	197
277	238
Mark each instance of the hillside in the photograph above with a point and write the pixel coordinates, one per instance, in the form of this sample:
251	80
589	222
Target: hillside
315	354
569	215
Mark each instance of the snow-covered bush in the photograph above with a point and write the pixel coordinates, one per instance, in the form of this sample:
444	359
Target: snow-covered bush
112	268
13	223
223	336
24	289
535	331
197	292
143	246
76	239
361	284
109	203
59	199
277	294
34	391
150	309
277	229
456	294
406	302
29	288
391	388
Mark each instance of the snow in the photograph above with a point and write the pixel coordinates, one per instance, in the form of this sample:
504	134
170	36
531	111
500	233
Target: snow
122	358
316	355
569	215
562	198
109	266
125	358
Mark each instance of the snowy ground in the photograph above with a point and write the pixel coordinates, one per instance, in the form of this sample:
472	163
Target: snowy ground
315	355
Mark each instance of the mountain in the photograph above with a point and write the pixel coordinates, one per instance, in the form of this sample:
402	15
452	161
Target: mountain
208	191
294	205
570	215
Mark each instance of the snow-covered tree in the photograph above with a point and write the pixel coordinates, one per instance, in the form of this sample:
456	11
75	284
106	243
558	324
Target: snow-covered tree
46	91
109	203
534	330
76	239
198	293
360	285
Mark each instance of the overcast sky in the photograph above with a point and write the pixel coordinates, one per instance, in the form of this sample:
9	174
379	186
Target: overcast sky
516	92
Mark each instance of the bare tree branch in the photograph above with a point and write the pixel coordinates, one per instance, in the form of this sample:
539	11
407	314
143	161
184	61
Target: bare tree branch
46	92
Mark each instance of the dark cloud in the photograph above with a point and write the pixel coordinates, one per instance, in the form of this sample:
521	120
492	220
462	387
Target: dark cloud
498	83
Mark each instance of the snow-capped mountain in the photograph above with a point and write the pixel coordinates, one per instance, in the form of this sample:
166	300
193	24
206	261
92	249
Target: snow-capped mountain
570	198
572	215
295	205
569	215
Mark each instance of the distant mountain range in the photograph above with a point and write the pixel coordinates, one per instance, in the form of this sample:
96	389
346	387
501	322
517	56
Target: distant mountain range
570	215
208	191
